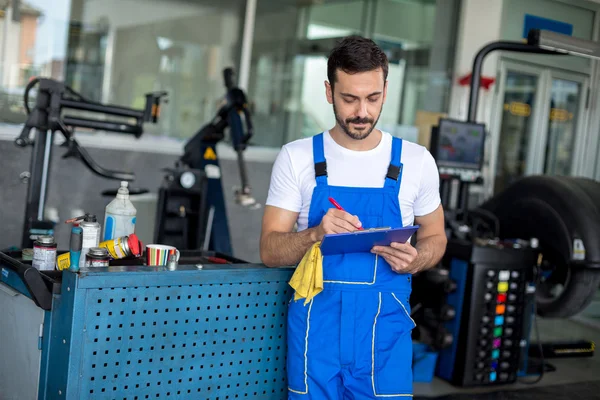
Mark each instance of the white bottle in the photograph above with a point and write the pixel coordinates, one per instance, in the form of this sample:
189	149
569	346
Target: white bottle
119	217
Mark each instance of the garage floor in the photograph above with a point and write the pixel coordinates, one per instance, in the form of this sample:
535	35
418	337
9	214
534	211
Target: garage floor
574	378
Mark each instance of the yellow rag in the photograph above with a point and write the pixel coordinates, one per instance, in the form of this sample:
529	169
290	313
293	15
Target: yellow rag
308	277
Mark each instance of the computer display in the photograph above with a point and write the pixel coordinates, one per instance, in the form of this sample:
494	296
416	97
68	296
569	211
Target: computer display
459	144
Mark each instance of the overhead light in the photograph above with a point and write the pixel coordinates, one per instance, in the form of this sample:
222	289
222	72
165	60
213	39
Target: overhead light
563	43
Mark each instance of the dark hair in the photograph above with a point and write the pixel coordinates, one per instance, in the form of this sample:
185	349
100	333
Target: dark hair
356	54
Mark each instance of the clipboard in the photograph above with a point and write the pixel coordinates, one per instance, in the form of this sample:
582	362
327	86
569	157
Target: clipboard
363	241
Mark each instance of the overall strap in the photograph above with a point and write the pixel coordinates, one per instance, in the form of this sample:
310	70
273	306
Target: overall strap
394	174
319	158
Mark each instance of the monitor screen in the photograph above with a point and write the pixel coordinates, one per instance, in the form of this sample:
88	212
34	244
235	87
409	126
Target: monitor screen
459	144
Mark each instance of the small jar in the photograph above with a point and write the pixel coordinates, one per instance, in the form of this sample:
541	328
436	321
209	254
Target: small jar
44	253
97	257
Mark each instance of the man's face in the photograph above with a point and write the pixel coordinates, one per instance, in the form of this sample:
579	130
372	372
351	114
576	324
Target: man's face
357	101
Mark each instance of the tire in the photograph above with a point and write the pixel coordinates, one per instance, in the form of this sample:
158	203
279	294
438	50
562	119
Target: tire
580	286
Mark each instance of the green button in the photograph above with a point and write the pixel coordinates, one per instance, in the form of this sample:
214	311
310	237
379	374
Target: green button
497	332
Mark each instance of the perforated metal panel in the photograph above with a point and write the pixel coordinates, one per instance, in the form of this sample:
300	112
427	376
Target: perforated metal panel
197	341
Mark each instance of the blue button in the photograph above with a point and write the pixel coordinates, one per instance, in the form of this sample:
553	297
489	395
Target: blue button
499	320
495	354
494	364
492	376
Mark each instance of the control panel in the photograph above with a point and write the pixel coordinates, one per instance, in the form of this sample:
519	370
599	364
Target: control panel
499	331
492	285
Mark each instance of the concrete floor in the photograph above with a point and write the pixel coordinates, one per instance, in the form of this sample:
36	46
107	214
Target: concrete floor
586	326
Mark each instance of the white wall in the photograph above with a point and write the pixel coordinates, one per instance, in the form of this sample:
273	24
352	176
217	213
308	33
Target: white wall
480	23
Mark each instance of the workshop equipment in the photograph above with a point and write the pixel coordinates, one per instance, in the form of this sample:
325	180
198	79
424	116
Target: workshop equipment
504	257
53	98
191	331
191	212
491	321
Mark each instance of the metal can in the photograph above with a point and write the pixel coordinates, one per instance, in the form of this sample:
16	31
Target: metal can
90	236
124	246
97	257
44	253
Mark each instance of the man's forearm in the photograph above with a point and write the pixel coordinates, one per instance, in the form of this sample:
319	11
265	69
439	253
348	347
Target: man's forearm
430	251
286	248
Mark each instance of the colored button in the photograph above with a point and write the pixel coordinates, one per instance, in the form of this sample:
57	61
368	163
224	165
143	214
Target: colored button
495	354
499	320
504	275
497	332
500	309
502	287
495	365
492	376
501	298
497	343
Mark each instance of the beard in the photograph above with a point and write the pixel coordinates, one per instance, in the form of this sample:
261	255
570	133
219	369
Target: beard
356	135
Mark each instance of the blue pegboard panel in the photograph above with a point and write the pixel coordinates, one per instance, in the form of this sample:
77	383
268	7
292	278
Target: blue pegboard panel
190	334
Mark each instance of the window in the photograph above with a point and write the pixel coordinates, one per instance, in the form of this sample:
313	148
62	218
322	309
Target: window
289	61
116	51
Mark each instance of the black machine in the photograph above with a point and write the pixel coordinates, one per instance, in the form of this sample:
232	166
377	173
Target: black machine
506	258
191	212
54	97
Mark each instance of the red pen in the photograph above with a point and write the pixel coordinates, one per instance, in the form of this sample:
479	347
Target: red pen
335	203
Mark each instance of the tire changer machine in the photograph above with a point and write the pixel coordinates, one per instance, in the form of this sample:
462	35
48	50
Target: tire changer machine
507	258
199	329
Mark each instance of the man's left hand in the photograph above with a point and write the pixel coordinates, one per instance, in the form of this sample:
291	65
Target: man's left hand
400	256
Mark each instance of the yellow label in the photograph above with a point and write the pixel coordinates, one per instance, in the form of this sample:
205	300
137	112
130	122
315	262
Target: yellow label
63	261
209	154
114	248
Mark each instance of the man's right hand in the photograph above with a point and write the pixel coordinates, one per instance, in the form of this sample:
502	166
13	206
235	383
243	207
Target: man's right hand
336	221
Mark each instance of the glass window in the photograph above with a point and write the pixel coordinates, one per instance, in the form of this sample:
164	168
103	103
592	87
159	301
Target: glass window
289	69
565	96
116	51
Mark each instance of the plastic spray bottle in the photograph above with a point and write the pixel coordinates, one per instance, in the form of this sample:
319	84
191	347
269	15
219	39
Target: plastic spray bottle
119	217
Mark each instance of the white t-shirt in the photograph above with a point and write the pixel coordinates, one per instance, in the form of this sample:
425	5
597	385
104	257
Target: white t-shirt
293	176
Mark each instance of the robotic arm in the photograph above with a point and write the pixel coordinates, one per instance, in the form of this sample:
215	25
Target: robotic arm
54	97
234	113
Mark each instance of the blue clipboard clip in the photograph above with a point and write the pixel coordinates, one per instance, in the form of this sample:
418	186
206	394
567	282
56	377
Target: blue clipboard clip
364	241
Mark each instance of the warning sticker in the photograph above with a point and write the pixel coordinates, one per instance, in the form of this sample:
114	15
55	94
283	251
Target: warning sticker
578	250
210	154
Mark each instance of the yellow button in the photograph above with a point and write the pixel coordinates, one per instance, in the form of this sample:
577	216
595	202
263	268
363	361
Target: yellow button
502	287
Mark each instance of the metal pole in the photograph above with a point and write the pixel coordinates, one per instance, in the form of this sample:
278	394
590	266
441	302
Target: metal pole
478	65
247	39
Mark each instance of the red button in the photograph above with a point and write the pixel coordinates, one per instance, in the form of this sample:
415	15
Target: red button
502	298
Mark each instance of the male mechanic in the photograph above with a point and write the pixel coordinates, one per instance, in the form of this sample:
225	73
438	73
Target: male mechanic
353	339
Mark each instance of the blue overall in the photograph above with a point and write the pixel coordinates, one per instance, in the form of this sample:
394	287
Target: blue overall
353	340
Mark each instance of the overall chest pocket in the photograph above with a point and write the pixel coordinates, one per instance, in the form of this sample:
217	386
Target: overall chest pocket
355	268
